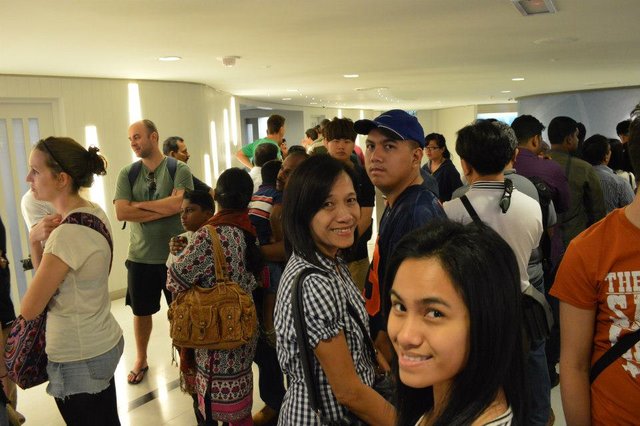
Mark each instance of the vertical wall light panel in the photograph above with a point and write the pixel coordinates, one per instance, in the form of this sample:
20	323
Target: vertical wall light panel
227	142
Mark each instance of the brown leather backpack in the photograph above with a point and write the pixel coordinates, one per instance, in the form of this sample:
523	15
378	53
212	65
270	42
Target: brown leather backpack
222	317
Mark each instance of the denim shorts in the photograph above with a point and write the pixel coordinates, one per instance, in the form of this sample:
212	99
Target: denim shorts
86	376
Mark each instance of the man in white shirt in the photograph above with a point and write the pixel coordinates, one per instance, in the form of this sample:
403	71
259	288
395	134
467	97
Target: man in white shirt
485	148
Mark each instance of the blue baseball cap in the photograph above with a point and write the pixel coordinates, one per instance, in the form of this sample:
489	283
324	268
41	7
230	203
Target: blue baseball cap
400	122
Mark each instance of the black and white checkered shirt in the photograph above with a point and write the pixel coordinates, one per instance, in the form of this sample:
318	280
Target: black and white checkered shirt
325	295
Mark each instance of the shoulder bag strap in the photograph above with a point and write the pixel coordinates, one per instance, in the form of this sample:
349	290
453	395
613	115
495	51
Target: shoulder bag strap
218	255
306	354
92	221
367	337
472	212
616	351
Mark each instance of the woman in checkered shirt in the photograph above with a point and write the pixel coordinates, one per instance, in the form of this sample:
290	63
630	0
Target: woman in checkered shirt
321	214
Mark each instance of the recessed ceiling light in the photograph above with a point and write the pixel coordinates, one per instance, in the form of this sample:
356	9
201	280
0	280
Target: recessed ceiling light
506	91
517	79
313	103
351	75
556	40
286	99
169	58
366	89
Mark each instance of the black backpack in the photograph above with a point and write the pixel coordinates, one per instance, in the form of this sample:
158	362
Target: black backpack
545	195
134	171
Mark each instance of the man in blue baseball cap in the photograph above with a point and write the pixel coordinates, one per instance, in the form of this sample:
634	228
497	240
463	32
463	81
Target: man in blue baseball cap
393	154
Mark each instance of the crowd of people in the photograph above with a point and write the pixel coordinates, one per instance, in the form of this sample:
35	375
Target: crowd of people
429	332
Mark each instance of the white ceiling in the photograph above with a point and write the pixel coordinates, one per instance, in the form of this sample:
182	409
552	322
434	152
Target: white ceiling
424	53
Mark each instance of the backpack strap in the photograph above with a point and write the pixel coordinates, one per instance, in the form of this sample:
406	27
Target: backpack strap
472	212
614	352
172	166
134	171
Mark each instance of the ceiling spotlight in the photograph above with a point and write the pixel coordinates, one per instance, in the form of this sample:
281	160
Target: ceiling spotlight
351	75
229	61
517	79
169	58
286	99
313	103
506	91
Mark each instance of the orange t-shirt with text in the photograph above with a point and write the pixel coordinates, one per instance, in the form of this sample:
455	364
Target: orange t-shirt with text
601	271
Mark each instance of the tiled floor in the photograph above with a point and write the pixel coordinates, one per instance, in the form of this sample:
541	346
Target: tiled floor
169	406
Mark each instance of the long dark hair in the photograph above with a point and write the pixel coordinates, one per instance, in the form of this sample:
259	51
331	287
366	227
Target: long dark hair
233	191
441	141
306	191
484	271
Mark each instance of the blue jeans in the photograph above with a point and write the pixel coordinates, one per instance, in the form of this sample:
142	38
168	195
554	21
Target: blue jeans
90	376
538	378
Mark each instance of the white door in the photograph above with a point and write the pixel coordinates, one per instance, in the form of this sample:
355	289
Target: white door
22	125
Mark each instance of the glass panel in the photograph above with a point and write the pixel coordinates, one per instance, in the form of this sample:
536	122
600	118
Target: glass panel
34	131
12	221
22	151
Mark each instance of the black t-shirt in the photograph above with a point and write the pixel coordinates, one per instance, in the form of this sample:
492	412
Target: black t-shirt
4	272
366	194
3	238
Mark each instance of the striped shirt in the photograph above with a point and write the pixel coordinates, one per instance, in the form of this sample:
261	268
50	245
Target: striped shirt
616	190
325	296
505	419
260	208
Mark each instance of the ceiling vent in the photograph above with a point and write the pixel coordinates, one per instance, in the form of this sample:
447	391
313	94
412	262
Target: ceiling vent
534	7
229	61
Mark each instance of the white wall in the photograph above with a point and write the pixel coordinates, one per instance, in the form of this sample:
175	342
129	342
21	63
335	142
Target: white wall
448	121
599	110
177	109
293	123
183	109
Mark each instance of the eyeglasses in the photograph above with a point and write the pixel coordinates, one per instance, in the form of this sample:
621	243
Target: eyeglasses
151	182
432	148
505	200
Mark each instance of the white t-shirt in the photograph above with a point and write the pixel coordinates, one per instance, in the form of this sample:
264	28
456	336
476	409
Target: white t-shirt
256	177
79	322
520	226
34	210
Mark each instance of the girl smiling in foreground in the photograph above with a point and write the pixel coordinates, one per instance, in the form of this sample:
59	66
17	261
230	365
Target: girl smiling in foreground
455	327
